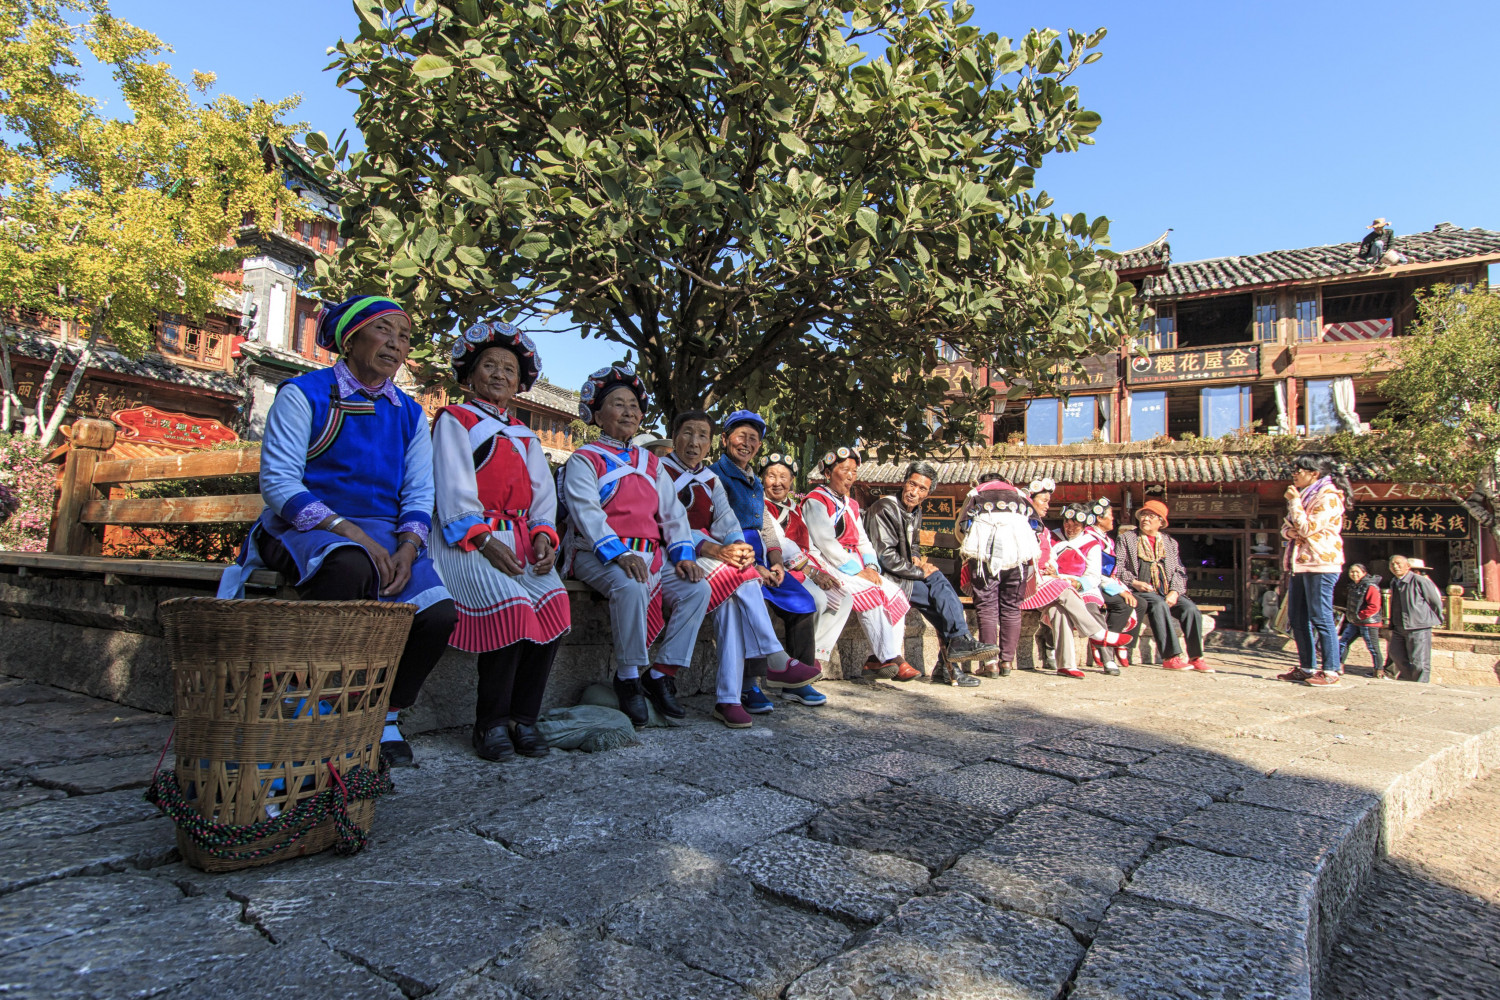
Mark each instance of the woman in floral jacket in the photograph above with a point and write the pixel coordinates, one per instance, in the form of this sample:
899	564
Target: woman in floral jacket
1313	555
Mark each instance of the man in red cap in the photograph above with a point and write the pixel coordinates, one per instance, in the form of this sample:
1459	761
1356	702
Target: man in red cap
1149	564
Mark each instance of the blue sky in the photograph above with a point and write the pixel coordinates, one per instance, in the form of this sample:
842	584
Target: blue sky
1243	127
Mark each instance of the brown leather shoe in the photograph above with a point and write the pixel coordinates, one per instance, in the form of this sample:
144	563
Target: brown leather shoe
905	671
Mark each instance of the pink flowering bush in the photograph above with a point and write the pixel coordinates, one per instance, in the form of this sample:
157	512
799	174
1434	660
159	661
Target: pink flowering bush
27	491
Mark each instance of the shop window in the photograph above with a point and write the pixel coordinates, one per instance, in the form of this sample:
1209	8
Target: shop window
1305	314
1224	410
171	336
1265	318
1041	421
1321	416
1148	415
1051	421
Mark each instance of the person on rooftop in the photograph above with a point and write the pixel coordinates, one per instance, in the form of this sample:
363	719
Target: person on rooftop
346	473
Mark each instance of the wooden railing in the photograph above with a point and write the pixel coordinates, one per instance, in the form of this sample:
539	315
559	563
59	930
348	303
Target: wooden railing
84	506
1461	612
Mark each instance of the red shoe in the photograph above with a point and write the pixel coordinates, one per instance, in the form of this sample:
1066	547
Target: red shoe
874	670
1296	675
734	716
1177	662
1324	680
904	671
1198	664
1122	657
794	675
1070	672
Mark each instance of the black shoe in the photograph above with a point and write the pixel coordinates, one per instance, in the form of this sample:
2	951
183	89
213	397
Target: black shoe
396	753
529	740
493	743
966	647
959	677
663	694
632	700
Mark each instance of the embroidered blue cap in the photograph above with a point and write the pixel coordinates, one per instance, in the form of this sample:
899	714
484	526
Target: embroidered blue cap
494	333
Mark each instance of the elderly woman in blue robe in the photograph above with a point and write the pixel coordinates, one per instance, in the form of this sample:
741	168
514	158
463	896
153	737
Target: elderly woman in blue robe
346	473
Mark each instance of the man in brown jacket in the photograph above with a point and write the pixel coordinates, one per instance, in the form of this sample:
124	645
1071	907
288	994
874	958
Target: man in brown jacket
1147	561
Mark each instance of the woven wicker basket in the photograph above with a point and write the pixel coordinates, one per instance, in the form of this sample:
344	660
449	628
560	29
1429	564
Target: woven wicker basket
275	692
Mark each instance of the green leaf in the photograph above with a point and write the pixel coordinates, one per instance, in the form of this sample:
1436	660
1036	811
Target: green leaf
963	246
869	221
794	142
431	67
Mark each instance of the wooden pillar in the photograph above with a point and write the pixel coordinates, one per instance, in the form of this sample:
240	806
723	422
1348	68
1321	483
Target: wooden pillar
91	439
1489	560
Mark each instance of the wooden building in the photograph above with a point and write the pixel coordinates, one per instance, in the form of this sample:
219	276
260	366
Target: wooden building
1240	349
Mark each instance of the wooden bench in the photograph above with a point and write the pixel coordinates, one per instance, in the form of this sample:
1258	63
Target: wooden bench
1462	612
84	506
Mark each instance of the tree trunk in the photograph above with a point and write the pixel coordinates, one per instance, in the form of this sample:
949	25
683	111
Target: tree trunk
74	380
38	413
1481	504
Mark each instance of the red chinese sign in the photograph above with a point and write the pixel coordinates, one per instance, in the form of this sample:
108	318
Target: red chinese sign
148	425
1196	365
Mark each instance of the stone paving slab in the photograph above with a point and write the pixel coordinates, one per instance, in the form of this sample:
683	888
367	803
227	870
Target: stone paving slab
949	947
718	922
1146	952
842	881
911	840
1052	862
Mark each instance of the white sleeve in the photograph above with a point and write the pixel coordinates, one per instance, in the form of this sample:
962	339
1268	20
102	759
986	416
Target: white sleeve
824	540
581	490
543	487
672	517
459	510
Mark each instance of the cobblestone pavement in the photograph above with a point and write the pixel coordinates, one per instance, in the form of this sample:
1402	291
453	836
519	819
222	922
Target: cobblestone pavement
1428	924
1033	838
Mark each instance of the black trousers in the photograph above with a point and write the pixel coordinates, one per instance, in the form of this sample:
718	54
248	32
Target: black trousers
938	602
1160	616
347	574
801	641
512	680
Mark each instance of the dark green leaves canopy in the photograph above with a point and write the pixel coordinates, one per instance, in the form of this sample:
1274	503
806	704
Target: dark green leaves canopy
766	203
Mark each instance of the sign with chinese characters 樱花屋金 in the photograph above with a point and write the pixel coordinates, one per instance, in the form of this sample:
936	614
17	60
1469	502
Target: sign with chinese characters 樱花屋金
148	425
1184	506
1197	365
1407	520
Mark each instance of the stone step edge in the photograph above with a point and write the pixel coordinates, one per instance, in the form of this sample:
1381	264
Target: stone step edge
1396	808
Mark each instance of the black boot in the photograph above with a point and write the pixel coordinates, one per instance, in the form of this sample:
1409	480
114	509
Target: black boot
493	743
632	700
663	694
528	740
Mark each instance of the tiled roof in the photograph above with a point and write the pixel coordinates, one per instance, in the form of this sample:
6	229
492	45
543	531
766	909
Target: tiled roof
1091	469
1445	242
150	366
554	397
1156	254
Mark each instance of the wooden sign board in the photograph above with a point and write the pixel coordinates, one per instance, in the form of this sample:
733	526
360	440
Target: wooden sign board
1196	365
1407	520
148	425
1191	506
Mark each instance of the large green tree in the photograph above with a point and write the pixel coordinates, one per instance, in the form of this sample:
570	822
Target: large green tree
1443	421
107	223
763	202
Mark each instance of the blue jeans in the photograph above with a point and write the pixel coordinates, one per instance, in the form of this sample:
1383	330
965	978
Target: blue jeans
1371	635
938	602
1311	619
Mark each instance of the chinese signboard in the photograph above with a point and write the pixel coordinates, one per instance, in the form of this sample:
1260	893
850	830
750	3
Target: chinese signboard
148	425
954	373
1196	365
1098	373
1407	520
939	513
1213	505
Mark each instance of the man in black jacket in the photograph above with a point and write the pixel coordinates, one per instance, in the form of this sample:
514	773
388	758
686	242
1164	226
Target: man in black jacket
1416	609
893	524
